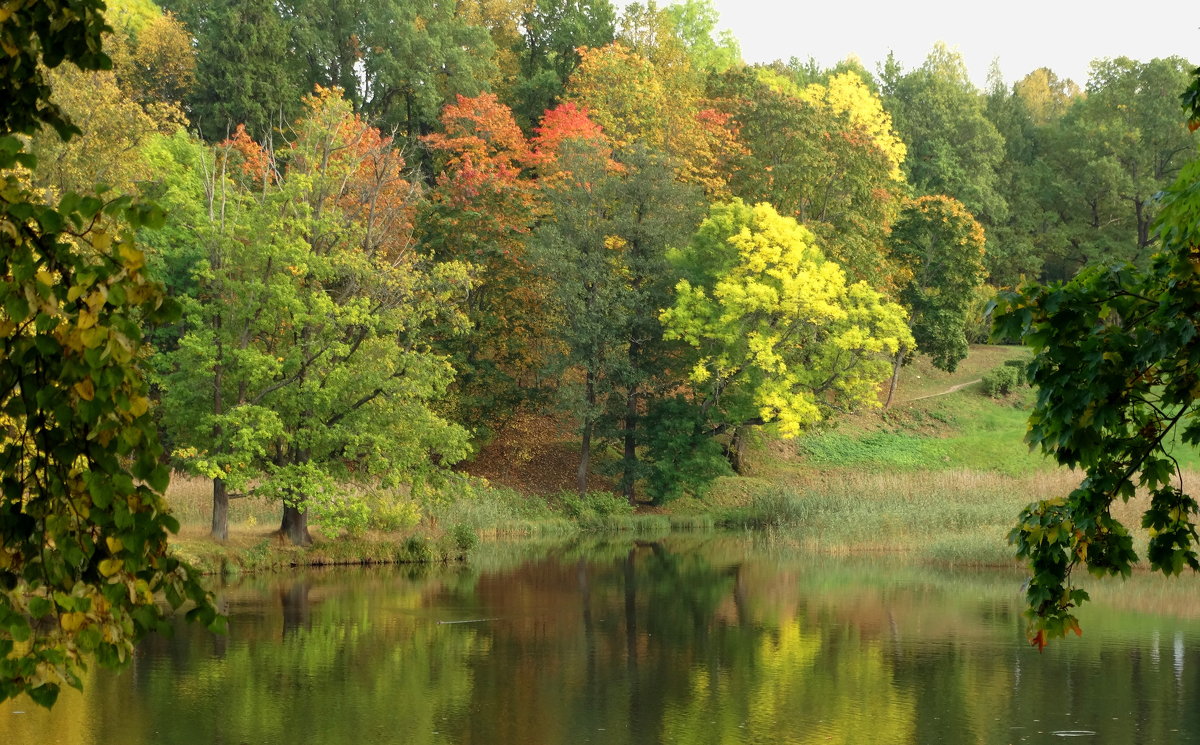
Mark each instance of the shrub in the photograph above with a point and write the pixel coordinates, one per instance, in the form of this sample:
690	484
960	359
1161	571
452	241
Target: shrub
338	512
594	505
1000	381
463	537
1021	366
418	549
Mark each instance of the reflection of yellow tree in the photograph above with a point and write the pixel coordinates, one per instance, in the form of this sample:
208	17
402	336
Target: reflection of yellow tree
802	688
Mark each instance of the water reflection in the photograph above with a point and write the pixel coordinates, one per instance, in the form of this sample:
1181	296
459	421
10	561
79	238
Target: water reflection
688	640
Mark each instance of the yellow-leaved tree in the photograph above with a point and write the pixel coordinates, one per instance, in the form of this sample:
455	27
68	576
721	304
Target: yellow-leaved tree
774	334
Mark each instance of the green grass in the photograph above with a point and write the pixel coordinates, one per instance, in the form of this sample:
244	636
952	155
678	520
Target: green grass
952	517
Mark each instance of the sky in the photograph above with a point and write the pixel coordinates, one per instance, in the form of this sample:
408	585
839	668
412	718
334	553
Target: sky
1025	35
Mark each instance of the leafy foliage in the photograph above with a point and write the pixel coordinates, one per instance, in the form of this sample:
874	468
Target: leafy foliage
824	155
308	345
940	247
776	334
481	211
1001	381
83	525
1117	375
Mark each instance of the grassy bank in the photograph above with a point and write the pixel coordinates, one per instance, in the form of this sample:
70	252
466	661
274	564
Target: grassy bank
938	478
446	525
941	477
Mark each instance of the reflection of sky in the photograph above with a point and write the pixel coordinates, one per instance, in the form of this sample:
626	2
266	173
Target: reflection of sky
1064	35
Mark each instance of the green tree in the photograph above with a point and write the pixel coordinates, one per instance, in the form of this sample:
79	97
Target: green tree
310	353
1111	154
614	217
554	31
83	523
776	334
1019	244
1115	364
952	147
398	61
940	247
694	23
245	73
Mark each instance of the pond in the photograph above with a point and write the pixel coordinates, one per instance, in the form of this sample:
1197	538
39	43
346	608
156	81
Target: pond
688	639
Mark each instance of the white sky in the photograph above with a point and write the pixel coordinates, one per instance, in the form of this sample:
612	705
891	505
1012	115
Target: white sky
1024	34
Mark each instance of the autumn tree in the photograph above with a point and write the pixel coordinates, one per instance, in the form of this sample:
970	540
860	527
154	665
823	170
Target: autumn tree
83	522
481	211
825	154
776	335
1046	96
940	249
161	68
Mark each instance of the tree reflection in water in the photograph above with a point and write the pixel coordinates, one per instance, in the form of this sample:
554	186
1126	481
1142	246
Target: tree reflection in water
688	639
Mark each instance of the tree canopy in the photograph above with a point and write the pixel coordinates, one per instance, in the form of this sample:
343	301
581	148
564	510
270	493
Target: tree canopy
83	523
1115	364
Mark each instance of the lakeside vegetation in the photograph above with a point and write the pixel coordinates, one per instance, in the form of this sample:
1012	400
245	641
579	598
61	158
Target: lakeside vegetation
332	271
936	480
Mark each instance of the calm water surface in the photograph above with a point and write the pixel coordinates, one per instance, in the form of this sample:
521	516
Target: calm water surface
685	640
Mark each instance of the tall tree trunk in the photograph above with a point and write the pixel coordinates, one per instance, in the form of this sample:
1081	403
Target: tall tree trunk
295	525
897	363
585	448
220	510
735	451
220	513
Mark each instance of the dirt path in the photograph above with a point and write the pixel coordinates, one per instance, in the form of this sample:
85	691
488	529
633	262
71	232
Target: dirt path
948	391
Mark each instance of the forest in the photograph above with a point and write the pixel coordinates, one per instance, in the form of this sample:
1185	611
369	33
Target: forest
351	243
390	232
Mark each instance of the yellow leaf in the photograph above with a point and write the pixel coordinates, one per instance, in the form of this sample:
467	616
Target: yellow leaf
45	277
139	405
114	544
86	389
72	621
93	337
87	319
109	567
134	259
96	300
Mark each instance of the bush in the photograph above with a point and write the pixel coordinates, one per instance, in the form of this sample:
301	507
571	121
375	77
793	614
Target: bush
594	505
355	512
417	549
1021	366
1001	381
463	537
